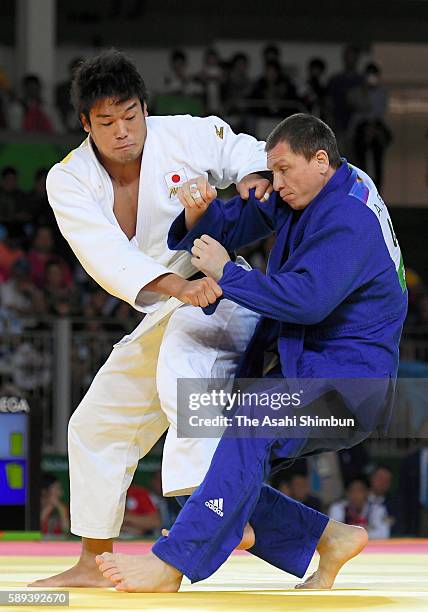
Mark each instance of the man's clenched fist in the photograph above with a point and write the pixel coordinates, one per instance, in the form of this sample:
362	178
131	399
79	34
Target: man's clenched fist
196	195
201	292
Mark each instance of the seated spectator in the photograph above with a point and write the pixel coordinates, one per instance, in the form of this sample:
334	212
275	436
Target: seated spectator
54	513
31	368
413	487
141	515
123	318
35	118
238	84
380	493
315	90
12	200
271	53
97	305
416	290
211	78
178	81
338	89
10	252
63	99
43	251
297	486
168	507
97	302
371	135
423	311
4	96
274	94
354	462
58	292
356	509
38	207
19	294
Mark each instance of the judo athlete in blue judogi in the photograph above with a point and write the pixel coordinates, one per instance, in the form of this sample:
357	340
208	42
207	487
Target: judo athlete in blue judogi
334	300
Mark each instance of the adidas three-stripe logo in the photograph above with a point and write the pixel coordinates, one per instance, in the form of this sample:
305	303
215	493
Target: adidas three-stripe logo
216	505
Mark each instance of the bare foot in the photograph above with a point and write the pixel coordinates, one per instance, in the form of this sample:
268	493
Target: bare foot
139	573
84	574
338	544
248	537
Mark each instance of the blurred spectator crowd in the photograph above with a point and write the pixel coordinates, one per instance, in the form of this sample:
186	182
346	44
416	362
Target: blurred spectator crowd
146	510
351	487
39	276
388	500
40	283
353	101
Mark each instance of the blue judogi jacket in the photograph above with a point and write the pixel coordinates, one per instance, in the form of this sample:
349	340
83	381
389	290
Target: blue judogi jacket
334	299
334	294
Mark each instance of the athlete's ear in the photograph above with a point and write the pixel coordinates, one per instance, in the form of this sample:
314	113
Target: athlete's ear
85	123
322	161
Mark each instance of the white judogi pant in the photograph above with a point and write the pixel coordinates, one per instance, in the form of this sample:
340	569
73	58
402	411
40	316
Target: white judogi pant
133	400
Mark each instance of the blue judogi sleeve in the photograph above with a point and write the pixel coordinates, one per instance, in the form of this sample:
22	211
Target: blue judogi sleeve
326	267
234	224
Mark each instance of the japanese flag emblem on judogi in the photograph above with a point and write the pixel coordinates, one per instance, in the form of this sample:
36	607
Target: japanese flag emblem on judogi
174	180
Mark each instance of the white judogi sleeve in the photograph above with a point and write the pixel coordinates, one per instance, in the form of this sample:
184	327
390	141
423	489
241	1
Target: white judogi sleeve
227	156
102	248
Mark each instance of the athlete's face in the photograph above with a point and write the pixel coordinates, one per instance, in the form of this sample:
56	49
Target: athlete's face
118	129
296	179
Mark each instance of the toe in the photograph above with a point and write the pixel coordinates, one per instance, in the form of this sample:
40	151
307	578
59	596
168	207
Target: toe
112	571
122	586
116	578
107	566
103	558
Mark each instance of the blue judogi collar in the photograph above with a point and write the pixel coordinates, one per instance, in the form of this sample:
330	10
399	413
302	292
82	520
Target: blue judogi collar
290	232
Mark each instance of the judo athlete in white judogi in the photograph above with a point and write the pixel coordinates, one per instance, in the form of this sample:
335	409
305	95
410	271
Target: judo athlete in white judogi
114	202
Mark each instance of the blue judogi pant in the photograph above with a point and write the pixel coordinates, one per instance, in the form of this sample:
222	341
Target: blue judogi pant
212	521
287	532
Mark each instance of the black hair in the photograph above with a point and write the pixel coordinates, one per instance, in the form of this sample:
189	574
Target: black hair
271	49
178	54
355	49
210	51
317	62
380	466
239	57
48	480
274	64
111	74
372	68
51	263
362	479
9	170
31	78
40	172
306	134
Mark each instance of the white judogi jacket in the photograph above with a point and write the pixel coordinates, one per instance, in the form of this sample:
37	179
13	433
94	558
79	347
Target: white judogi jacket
177	148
